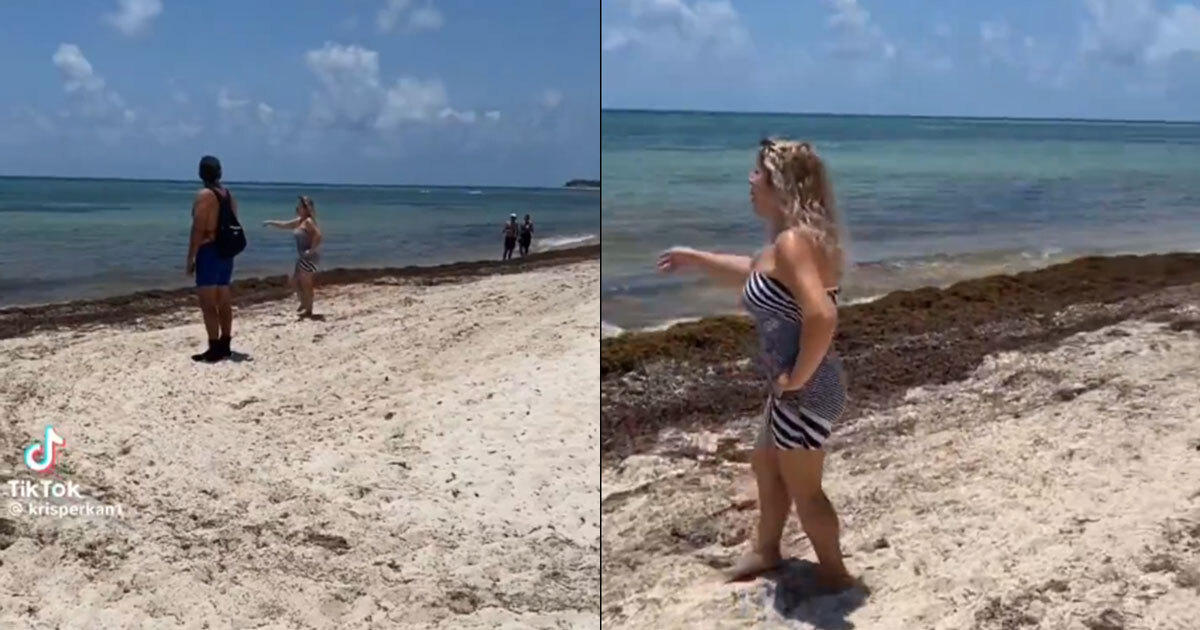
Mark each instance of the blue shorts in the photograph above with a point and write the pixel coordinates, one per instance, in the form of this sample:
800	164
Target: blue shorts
211	269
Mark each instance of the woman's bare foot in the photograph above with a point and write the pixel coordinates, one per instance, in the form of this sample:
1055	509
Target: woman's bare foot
830	581
751	565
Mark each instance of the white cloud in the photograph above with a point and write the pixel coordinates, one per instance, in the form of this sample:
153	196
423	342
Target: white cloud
1134	32
349	76
858	37
411	100
133	17
426	18
353	94
462	117
1037	62
1178	32
995	42
81	80
1119	31
278	126
243	116
226	102
171	132
394	12
492	115
40	120
389	16
677	28
179	95
76	69
925	58
266	113
551	98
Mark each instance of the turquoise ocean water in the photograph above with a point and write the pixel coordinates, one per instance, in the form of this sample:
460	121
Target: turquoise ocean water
64	239
927	201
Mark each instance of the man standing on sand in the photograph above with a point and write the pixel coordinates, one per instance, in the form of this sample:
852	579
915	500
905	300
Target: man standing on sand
215	240
510	236
526	236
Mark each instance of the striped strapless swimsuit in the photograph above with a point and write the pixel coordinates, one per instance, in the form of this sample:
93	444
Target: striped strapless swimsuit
303	243
802	418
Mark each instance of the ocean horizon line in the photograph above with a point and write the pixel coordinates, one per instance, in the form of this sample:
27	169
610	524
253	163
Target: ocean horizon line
1143	121
160	180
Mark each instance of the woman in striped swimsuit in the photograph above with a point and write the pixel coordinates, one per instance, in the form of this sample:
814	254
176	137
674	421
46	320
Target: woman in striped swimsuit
308	240
790	289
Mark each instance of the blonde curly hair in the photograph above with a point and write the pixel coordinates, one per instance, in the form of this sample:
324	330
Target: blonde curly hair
799	178
309	205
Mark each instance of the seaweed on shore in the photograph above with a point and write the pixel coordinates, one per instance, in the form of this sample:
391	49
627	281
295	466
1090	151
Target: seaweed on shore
710	340
124	309
691	375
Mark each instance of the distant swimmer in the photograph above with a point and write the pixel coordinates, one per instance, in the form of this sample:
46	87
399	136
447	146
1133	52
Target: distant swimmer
216	238
790	288
308	242
510	236
526	236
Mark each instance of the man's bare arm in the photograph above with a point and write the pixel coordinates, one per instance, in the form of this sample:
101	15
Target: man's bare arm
203	219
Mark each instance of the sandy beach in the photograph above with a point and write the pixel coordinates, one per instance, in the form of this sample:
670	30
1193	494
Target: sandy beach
1041	470
424	458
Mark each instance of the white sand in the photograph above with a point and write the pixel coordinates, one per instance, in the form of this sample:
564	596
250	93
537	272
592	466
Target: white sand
426	457
1056	490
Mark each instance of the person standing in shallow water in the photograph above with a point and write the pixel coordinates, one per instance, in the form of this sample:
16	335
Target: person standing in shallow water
526	236
510	236
308	240
213	206
790	288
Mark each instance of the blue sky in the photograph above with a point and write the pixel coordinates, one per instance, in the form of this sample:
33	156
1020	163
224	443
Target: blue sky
373	91
1127	59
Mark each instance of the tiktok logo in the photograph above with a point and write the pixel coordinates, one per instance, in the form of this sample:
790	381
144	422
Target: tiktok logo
41	456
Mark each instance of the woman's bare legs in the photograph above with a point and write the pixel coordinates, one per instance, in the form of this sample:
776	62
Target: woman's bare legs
305	281
801	470
293	284
773	508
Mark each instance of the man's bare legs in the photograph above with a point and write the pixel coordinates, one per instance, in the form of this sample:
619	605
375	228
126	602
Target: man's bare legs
225	313
773	508
208	299
801	470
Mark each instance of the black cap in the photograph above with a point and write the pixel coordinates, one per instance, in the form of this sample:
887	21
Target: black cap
210	169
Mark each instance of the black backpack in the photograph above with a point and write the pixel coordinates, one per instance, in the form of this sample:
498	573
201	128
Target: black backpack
231	239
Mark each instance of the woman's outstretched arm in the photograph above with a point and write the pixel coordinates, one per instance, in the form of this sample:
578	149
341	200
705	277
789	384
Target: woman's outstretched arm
728	268
290	225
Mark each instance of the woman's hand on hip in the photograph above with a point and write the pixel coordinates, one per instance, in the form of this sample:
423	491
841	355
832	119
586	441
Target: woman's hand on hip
785	383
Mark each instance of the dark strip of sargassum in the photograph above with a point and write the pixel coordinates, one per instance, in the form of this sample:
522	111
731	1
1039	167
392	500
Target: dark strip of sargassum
18	321
694	375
